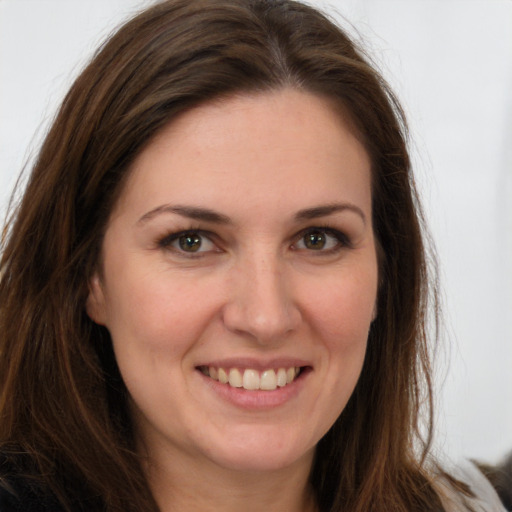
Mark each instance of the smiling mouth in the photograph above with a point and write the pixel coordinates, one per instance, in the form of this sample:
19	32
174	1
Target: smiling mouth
253	380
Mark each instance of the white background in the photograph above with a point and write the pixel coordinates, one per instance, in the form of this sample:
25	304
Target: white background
451	63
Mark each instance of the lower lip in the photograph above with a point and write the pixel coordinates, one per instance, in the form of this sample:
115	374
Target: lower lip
256	399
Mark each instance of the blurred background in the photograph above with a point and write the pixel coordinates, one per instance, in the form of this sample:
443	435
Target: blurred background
450	62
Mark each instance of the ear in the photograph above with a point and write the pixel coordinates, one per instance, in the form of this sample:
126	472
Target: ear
95	303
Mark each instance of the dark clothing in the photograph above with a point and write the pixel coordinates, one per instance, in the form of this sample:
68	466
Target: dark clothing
20	495
20	492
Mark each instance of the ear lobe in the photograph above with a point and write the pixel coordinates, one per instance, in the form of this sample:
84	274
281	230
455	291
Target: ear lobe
95	303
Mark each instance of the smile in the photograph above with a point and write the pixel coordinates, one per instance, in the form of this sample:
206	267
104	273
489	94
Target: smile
252	380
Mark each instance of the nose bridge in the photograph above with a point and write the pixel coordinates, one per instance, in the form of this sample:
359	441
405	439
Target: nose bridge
262	302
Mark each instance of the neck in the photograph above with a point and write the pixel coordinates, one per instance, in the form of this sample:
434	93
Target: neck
203	486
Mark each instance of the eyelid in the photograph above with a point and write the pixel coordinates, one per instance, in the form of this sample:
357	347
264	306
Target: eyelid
166	241
343	239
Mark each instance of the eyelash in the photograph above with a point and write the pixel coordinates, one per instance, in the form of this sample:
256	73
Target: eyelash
167	241
342	240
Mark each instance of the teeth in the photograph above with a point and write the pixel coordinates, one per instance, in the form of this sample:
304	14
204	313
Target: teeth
223	376
213	373
268	380
251	379
235	378
281	377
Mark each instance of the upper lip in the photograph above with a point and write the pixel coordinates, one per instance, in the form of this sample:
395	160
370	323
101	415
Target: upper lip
256	364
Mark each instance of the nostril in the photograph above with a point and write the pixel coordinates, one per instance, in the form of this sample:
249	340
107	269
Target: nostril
265	322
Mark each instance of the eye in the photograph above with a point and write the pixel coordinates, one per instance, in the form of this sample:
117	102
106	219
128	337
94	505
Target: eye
321	239
191	242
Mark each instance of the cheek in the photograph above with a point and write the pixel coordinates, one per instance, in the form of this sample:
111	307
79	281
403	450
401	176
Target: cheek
154	327
156	313
343	310
341	317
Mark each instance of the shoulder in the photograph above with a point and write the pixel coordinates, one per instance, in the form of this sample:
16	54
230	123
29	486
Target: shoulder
19	493
482	497
500	477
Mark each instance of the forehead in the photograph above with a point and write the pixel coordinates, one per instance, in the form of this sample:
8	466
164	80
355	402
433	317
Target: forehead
254	148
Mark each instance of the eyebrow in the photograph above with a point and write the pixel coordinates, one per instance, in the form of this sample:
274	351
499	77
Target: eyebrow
329	209
191	212
207	215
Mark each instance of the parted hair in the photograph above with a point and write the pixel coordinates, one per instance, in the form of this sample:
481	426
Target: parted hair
63	405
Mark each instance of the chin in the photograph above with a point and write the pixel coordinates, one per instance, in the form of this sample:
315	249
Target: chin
257	454
262	463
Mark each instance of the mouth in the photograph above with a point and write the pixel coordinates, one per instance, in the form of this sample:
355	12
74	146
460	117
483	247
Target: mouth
251	379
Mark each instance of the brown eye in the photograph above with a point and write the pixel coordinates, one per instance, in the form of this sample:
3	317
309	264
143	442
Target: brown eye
322	240
190	242
315	240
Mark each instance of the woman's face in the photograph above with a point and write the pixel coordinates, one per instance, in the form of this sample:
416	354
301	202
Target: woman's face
241	249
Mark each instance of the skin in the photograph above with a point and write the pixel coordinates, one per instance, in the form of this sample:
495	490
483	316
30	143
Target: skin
274	168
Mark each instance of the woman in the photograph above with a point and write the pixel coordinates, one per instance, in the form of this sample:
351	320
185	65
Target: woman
214	290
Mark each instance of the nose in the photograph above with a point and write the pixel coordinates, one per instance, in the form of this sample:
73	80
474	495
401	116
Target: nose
261	303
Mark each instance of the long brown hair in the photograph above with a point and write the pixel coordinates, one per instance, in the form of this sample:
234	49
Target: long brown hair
62	401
